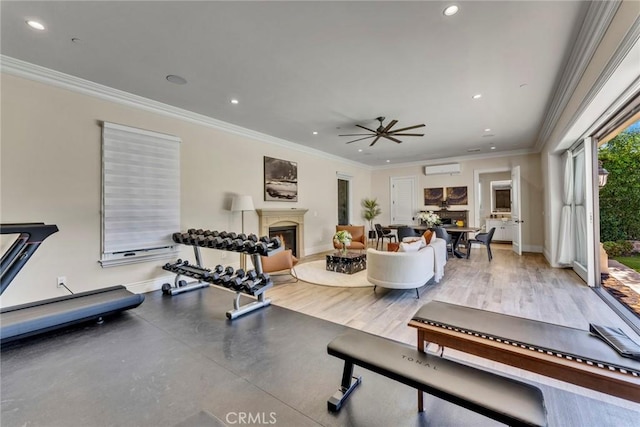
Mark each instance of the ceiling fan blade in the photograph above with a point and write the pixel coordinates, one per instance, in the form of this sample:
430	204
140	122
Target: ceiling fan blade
389	126
355	134
392	138
408	134
366	137
374	141
407	128
370	130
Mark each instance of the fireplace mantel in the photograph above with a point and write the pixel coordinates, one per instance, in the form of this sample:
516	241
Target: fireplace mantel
279	217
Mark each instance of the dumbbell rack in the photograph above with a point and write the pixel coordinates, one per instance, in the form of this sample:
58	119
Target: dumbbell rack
238	310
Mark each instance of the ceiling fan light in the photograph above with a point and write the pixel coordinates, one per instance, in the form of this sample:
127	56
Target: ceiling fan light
451	10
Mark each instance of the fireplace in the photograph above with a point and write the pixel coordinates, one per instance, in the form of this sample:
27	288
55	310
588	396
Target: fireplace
287	235
279	218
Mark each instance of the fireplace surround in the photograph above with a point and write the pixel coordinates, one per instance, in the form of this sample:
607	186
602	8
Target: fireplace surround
269	218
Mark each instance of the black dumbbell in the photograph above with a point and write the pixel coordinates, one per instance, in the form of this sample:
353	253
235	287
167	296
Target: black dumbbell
230	235
237	245
260	285
180	237
194	231
263	248
240	282
215	274
227	280
218	276
252	237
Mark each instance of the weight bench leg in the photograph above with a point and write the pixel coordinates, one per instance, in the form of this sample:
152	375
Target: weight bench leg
348	384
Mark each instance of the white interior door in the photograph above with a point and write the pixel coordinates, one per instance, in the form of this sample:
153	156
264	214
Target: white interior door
403	199
516	211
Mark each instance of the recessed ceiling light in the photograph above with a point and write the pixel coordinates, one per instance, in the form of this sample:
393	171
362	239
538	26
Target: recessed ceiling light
388	161
487	130
489	135
235	101
75	40
315	132
451	10
473	150
359	150
493	147
35	25
176	79
477	96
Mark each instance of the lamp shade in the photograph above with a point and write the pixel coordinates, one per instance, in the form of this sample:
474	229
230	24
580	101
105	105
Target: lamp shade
242	203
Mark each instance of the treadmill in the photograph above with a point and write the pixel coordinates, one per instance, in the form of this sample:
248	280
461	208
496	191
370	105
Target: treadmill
39	317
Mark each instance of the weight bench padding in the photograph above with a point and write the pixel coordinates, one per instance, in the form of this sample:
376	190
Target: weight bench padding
503	399
42	316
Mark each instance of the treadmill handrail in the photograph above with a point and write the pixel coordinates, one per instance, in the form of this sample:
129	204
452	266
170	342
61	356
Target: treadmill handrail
31	235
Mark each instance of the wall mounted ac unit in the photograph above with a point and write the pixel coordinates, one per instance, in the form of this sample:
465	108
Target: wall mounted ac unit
448	169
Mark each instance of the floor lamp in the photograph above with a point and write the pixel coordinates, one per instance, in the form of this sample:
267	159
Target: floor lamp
242	204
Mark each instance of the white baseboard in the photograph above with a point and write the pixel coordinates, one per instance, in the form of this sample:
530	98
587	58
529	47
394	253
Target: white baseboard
532	248
318	249
150	285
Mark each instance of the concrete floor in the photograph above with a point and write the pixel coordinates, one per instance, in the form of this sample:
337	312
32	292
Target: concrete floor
177	361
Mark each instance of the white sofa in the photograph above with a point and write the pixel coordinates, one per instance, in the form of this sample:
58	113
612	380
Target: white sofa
407	270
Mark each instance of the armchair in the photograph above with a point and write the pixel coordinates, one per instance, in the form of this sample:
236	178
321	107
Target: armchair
280	262
359	239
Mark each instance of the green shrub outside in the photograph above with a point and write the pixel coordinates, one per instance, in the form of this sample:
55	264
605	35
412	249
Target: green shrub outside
618	248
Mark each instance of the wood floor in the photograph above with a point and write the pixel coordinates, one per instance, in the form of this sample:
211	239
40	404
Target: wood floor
524	286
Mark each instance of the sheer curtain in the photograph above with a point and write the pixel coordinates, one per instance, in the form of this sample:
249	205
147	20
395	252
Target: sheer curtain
565	235
580	210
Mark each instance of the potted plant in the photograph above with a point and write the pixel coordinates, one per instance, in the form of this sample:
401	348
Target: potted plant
371	211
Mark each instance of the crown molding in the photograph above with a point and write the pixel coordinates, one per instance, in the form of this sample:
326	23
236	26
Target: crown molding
597	21
27	70
628	43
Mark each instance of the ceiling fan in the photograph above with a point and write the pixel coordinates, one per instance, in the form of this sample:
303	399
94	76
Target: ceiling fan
384	132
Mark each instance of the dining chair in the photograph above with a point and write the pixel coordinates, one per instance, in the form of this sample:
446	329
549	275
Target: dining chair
441	233
383	233
406	232
483	239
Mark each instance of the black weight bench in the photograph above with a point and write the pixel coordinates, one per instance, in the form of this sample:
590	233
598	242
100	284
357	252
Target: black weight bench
497	397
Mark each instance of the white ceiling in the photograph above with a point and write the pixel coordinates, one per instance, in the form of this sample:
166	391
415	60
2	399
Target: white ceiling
300	67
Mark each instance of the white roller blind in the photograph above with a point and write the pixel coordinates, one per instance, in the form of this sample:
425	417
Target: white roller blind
140	194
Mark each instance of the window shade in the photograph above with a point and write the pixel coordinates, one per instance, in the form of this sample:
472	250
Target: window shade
140	194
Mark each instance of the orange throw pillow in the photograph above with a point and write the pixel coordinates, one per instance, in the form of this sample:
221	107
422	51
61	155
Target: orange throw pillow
393	247
427	236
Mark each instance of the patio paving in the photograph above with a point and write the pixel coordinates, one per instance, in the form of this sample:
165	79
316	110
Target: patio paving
624	284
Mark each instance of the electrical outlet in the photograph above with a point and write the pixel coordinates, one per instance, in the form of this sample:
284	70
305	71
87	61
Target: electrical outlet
62	280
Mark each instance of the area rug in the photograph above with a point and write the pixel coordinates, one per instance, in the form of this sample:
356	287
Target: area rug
315	272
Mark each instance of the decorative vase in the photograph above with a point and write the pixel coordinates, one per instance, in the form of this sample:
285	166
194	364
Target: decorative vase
344	248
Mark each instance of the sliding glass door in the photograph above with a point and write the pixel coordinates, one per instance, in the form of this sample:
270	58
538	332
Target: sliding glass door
582	207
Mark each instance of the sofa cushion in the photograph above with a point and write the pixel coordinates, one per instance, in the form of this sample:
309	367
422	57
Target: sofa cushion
410	246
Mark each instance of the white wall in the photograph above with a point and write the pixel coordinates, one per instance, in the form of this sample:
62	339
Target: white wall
51	169
579	117
531	187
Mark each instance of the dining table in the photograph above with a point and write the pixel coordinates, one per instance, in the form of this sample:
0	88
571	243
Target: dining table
458	234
